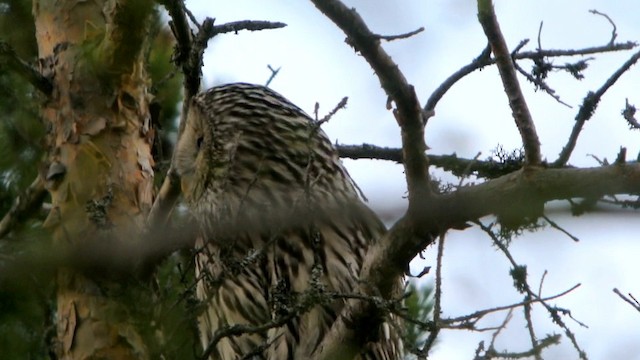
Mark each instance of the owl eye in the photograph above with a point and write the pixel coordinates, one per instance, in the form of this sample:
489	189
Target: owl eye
199	142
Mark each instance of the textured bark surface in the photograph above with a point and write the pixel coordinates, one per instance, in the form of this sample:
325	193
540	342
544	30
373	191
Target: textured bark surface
100	173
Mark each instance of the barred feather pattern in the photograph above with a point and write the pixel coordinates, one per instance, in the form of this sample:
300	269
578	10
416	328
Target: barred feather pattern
278	212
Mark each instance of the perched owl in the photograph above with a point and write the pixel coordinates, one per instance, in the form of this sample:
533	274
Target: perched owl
277	211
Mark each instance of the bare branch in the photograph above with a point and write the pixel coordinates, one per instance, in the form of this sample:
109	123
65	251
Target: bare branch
631	300
559	228
458	166
519	108
401	36
614	33
588	107
23	206
519	274
479	62
9	58
484	59
437	307
541	84
342	340
576	52
274	73
408	113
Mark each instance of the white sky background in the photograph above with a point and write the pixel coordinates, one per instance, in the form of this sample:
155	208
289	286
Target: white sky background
317	66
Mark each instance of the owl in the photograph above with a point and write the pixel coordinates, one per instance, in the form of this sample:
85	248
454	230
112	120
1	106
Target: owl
279	217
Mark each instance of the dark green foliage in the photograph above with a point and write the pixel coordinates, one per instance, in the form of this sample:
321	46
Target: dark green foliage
419	304
26	299
162	309
21	130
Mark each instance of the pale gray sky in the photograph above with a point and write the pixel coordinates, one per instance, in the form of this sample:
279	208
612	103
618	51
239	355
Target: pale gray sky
316	65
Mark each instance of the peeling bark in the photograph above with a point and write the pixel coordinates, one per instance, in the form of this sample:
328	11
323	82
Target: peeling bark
100	142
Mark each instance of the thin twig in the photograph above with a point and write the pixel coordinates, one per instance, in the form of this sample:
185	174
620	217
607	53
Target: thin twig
532	300
479	62
614	33
558	227
553	311
401	36
274	72
437	306
631	300
541	84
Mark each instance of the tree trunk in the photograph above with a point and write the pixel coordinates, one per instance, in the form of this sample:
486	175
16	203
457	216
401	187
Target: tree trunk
100	173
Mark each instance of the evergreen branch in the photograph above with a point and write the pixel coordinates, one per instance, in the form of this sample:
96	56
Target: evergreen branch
9	58
23	206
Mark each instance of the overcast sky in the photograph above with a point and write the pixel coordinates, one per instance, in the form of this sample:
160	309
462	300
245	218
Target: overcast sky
317	66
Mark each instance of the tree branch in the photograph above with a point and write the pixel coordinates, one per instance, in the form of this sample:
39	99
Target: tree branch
457	166
342	340
485	60
23	206
386	259
588	107
479	62
409	115
519	108
9	58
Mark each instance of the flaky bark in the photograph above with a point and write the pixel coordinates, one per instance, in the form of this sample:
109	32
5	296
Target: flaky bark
100	165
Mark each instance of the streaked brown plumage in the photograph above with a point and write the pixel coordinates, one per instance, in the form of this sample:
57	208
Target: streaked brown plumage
273	202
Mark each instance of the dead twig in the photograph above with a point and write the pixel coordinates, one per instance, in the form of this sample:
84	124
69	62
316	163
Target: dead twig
401	36
631	300
614	33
